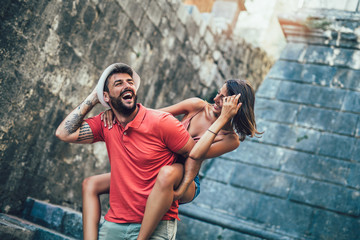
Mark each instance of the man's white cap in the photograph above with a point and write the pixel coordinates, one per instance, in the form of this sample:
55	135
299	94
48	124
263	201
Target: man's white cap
105	74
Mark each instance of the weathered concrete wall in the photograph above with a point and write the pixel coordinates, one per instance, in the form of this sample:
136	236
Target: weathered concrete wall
51	55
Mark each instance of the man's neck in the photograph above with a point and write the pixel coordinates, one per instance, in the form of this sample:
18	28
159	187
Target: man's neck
125	119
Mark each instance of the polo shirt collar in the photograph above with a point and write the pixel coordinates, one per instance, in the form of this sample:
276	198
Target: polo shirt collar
136	122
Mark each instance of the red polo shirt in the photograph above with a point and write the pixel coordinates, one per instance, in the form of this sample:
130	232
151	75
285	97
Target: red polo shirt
136	154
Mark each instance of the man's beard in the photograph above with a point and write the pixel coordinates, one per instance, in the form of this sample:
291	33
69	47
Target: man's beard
119	106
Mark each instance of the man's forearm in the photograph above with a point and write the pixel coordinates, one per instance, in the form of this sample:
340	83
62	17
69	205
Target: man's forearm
74	120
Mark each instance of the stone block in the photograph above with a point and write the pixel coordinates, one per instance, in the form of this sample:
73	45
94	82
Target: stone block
219	170
286	70
299	72
154	12
182	14
209	39
207	73
356	151
267	181
229	234
316	167
313	95
319	74
294	92
44	214
295	220
202	28
72	225
330	225
275	110
289	136
327	97
135	12
11	230
169	13
195	61
180	31
14	228
123	3
195	14
192	229
174	4
320	54
210	197
224	67
354	62
137	41
327	120
258	154
204	50
147	28
352	102
354	176
269	88
343	57
327	196
337	146
293	51
122	21
144	4
193	34
210	22
344	78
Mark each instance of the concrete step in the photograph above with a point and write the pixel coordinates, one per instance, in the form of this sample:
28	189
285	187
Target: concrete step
57	218
14	228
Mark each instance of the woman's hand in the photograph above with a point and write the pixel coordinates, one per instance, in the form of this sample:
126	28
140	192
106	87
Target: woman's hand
230	106
108	118
180	191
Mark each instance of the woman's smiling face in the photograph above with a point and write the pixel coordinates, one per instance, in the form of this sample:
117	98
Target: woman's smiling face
219	99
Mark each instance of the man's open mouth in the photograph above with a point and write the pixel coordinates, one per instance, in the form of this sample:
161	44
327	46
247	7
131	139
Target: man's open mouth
127	95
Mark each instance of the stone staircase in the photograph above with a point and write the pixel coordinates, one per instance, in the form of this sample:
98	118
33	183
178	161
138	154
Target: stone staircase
41	221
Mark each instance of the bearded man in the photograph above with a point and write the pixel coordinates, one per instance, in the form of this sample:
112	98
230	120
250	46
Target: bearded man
139	144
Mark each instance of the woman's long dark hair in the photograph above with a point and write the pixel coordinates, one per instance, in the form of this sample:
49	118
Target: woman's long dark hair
244	120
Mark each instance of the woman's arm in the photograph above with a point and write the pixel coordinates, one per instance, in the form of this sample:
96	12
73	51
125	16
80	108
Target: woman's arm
184	107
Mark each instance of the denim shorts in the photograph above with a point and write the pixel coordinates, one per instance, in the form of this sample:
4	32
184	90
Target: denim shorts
110	230
197	185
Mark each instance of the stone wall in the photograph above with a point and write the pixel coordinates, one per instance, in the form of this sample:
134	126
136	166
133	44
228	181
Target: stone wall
51	55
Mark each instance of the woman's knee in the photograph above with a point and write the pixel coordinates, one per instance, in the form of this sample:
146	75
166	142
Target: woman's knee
168	177
89	185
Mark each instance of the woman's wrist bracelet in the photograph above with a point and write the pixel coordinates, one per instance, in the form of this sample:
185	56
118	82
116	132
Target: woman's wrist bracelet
212	132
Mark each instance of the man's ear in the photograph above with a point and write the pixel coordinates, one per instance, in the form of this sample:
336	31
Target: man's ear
106	97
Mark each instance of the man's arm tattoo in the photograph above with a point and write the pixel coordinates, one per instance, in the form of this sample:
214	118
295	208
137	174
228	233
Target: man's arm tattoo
85	133
73	124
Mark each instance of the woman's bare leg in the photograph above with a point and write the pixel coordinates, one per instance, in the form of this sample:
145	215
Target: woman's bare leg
161	198
92	187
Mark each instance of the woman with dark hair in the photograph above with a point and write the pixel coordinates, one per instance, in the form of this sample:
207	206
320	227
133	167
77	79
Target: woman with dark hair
218	128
